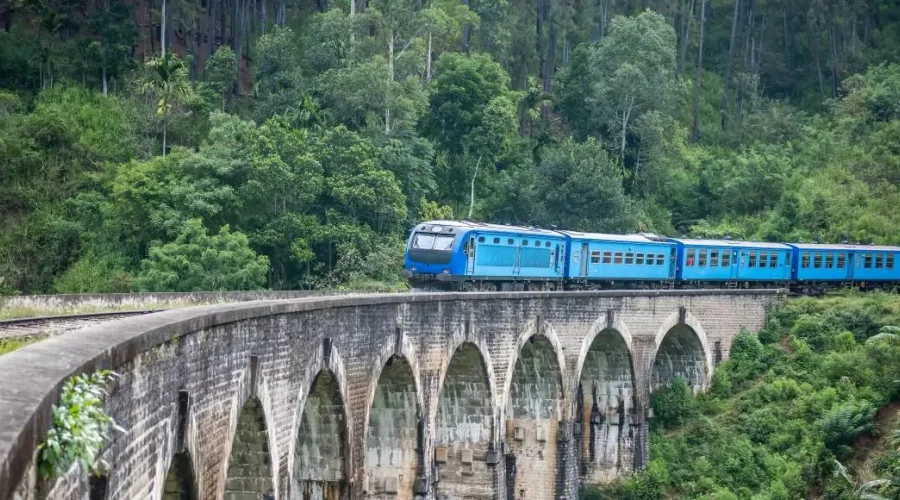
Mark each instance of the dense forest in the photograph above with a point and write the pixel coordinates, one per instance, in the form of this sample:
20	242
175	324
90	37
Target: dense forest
236	144
806	409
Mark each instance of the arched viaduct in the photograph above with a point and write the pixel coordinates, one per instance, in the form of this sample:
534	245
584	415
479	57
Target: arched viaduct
433	396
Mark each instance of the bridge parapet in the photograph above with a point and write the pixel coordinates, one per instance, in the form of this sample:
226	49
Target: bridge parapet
532	392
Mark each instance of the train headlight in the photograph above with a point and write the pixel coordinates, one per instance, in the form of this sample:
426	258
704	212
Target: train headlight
446	271
413	269
436	229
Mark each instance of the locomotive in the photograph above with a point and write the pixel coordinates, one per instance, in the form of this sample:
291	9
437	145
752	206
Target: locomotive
475	256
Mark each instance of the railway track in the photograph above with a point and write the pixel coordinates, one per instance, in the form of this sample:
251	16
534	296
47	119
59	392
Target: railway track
50	326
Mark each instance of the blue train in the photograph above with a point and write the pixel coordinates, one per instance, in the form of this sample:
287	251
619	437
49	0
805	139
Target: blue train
473	256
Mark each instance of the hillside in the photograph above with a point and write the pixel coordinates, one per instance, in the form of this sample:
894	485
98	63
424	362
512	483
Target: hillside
291	144
806	409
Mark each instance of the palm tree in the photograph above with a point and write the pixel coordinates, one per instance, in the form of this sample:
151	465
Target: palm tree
168	79
868	491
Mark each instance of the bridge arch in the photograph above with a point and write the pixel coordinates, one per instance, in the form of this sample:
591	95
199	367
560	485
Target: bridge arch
465	425
250	465
321	458
547	332
179	482
604	400
534	394
680	349
392	441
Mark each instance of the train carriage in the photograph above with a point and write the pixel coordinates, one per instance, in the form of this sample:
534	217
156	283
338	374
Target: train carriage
741	264
610	260
820	266
476	256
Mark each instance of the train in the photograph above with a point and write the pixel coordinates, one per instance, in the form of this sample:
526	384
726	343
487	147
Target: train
476	256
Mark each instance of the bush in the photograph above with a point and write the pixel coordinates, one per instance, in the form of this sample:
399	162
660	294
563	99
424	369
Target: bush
672	404
843	423
92	274
196	261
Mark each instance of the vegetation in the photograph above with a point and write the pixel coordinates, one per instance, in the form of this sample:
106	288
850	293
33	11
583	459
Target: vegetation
787	414
80	427
9	345
305	137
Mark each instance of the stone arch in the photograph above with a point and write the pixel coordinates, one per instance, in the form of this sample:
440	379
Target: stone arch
680	349
179	483
393	439
250	466
321	453
605	395
544	330
464	427
533	411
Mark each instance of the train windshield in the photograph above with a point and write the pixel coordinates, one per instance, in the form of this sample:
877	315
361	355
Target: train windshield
425	241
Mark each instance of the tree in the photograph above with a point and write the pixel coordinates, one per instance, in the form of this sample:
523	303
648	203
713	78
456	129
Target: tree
220	73
167	79
472	115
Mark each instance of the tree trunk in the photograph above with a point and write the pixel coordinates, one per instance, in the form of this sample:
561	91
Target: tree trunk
835	70
211	28
539	37
7	21
103	71
162	31
626	115
814	47
467	30
472	188
387	100
686	38
698	85
264	17
428	59
165	129
550	69
725	82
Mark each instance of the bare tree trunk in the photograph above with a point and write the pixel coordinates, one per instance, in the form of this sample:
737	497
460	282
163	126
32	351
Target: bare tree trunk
472	188
550	68
728	62
387	101
211	28
467	30
686	38
162	31
835	70
165	129
626	115
814	47
428	59
103	71
539	37
698	85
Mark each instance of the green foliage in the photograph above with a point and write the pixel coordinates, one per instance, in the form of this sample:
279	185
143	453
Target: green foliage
79	428
779	414
196	261
672	404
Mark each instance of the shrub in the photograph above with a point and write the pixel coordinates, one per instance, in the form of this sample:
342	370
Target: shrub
843	423
672	403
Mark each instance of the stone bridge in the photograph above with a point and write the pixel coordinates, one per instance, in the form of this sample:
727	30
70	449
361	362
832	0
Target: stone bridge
433	396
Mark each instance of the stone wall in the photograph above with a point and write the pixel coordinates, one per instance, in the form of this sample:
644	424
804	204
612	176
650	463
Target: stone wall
476	372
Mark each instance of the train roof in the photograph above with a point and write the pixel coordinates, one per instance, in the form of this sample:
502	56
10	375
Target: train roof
468	225
731	243
843	246
624	238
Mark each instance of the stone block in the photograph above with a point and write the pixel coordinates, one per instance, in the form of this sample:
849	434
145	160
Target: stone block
519	433
541	434
440	454
390	485
466	455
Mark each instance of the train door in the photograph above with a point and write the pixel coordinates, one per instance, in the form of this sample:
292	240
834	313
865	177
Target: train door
584	259
470	256
736	259
851	266
517	259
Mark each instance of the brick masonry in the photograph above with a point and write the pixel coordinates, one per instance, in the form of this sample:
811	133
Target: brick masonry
501	395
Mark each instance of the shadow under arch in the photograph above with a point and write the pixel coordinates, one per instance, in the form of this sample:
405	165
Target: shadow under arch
180	483
534	406
393	434
250	463
464	426
545	331
681	349
605	398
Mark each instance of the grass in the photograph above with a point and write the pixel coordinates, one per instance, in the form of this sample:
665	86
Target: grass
9	345
19	312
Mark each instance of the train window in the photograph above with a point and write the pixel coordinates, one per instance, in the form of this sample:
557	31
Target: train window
804	259
509	241
773	259
443	243
867	261
607	257
496	241
829	261
751	259
889	261
877	261
618	259
701	262
817	261
547	244
524	243
714	258
660	259
629	258
423	241
690	258
639	259
726	258
762	259
841	260
595	257
481	239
